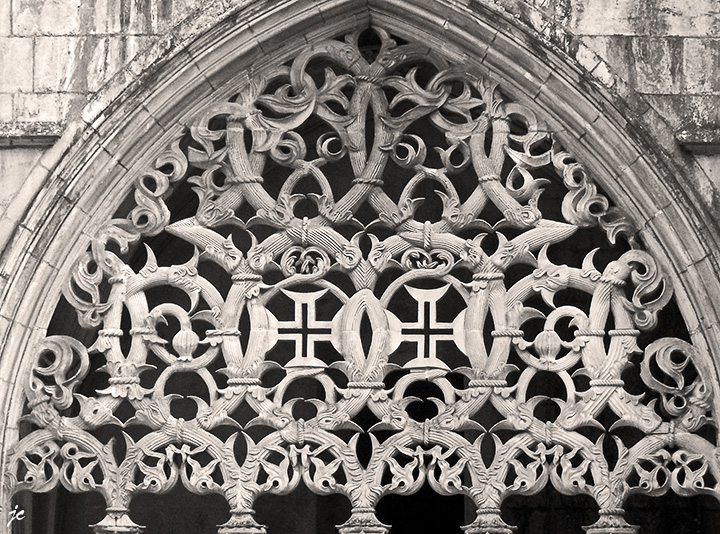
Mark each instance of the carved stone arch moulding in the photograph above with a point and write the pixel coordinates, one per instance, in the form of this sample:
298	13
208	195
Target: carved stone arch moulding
367	238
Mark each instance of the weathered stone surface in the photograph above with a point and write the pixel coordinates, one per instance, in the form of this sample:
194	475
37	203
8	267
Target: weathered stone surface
101	16
15	164
139	16
59	64
5	17
5	108
617	51
645	17
702	66
46	17
657	65
16	64
683	110
82	64
146	50
604	75
710	167
699	140
153	16
587	57
105	57
40	107
651	65
17	133
706	179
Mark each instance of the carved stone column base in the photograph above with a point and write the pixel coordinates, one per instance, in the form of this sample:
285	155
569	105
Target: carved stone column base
242	522
115	522
363	521
488	521
612	522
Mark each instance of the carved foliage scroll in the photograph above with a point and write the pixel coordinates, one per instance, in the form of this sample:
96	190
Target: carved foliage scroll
370	226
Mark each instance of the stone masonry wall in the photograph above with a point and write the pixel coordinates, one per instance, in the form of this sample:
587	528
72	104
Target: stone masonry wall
669	52
55	55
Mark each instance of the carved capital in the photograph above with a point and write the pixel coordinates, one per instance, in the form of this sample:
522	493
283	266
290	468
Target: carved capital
488	521
242	522
117	521
363	521
611	522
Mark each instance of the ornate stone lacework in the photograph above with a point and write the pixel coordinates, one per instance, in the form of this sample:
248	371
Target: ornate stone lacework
315	262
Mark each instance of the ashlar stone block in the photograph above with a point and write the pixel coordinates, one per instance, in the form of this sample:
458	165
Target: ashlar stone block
47	107
701	59
15	163
101	16
657	64
5	17
16	64
46	17
105	57
5	108
644	17
59	64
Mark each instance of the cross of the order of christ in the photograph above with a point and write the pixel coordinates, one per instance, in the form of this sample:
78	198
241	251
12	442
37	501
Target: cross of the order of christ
304	329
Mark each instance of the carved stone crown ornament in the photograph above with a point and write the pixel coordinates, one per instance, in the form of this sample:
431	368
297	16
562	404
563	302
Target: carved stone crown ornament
316	292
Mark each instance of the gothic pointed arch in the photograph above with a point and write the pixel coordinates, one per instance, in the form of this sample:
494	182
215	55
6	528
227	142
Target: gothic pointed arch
428	235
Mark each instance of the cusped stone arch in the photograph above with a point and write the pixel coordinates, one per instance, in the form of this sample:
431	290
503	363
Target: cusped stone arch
82	195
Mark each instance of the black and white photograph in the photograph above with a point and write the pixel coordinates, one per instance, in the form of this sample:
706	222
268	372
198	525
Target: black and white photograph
359	266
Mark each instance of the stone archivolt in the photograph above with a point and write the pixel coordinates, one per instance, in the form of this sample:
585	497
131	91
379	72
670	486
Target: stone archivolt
357	288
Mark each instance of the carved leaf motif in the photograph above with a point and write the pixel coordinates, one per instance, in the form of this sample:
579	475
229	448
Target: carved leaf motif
77	472
43	474
156	479
61	364
323	478
405	478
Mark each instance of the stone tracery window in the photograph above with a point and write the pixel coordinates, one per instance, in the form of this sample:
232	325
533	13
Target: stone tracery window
392	277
